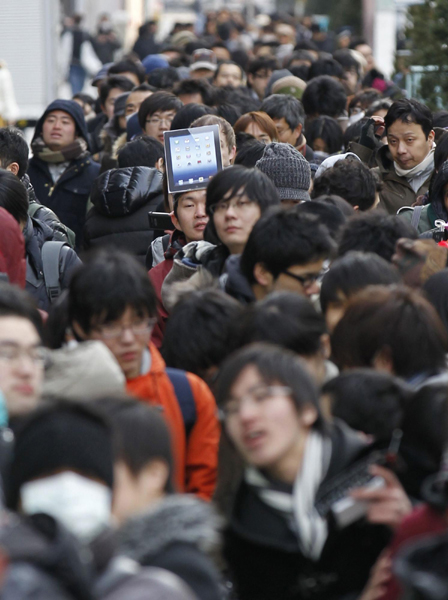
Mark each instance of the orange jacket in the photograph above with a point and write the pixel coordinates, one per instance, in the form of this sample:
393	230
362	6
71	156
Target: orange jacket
196	461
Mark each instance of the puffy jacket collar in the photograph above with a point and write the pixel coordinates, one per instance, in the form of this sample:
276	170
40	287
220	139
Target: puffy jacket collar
73	109
234	281
119	192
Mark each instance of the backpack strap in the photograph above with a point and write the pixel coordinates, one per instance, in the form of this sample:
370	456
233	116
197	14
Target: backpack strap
53	263
184	396
416	214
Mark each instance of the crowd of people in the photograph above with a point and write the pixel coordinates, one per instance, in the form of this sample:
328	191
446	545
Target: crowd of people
236	391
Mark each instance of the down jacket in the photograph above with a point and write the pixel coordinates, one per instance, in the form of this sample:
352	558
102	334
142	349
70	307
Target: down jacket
121	201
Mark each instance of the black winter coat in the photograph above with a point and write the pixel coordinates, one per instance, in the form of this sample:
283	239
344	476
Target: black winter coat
178	535
68	197
121	201
264	556
36	234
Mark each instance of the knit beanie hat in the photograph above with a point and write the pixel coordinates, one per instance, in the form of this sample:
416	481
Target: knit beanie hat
288	169
291	86
63	436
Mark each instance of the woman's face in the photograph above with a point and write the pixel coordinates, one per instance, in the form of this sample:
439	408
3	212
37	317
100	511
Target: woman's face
264	425
258	133
234	218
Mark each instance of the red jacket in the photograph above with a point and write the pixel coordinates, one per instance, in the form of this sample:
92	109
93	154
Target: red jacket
424	521
196	460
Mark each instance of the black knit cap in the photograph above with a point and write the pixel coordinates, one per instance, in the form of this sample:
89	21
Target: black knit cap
62	436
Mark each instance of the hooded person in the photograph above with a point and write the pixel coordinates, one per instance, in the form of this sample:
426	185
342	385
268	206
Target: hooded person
61	169
423	218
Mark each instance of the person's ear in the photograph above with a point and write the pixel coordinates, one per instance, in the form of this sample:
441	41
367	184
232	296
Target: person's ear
160	165
431	136
308	415
13	168
356	208
232	155
298	130
153	478
262	276
79	332
175	221
382	361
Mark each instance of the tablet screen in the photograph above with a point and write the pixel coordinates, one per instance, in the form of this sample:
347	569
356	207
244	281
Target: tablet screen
192	157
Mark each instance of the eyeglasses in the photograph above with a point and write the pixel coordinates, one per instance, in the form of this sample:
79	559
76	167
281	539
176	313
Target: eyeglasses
11	353
112	331
306	280
256	395
239	205
157	120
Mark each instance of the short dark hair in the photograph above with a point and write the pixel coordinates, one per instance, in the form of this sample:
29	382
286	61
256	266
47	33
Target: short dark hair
13	196
395	319
106	284
188	114
368	401
158	101
143	151
256	185
325	66
351	180
347	61
141	434
282	318
381	104
129	66
163	78
327	129
328	213
364	99
15	302
13	148
113	82
353	272
375	232
262	63
282	238
195	86
353	132
249	153
324	96
441	151
409	110
440	119
283	106
198	332
275	366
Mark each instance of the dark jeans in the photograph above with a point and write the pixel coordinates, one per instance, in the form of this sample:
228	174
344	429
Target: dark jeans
76	77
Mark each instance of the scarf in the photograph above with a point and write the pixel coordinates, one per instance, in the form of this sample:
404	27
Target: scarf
298	507
70	152
419	174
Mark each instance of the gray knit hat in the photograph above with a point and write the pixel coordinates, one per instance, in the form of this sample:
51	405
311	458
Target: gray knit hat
288	169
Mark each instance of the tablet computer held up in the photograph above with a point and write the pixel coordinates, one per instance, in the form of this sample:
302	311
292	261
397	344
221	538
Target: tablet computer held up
192	157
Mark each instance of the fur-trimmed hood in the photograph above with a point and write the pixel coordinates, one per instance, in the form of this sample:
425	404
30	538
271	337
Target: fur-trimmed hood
177	519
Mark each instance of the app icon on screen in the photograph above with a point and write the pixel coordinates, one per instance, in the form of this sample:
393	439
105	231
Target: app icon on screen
190	180
176	141
201	179
187	141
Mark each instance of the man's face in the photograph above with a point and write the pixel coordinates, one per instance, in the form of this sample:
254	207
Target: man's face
200	73
108	106
58	129
134	100
21	364
191	216
228	75
159	122
127	338
259	81
408	144
299	279
367	52
285	134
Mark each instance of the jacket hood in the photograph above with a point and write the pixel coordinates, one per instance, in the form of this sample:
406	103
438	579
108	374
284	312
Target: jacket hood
73	109
12	249
120	192
437	193
42	542
234	281
177	519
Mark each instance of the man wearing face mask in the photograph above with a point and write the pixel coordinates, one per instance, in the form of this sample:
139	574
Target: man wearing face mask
62	473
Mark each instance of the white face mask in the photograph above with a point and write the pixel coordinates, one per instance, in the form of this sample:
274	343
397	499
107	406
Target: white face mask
83	506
